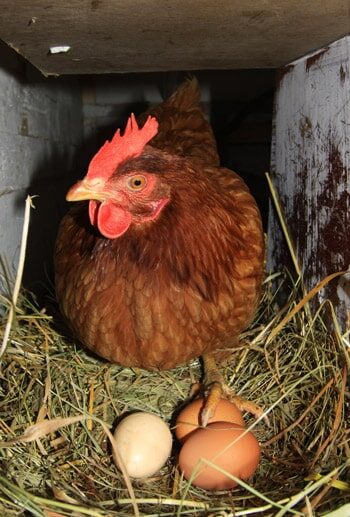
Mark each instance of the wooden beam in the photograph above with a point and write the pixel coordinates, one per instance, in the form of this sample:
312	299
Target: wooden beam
104	36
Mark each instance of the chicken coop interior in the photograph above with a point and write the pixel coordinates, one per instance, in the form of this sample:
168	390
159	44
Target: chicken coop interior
71	75
275	87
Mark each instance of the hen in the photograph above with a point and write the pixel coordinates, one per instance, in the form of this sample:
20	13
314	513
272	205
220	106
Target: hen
165	262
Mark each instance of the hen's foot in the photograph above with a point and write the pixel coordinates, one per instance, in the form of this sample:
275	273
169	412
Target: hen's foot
216	389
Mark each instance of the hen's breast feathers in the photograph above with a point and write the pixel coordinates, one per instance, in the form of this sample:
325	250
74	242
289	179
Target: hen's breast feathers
183	128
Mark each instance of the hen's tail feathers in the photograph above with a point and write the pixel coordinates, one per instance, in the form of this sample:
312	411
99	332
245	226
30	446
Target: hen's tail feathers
186	96
183	127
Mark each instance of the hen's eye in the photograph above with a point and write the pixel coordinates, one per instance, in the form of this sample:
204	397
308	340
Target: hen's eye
137	182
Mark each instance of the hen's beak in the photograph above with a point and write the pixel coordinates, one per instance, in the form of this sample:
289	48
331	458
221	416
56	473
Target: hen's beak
86	190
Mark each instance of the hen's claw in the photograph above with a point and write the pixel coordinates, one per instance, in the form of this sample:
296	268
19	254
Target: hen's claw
249	407
217	389
211	402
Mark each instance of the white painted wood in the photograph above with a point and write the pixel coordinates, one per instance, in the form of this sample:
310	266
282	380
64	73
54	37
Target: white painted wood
311	168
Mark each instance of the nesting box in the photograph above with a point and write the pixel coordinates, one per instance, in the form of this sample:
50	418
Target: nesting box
275	79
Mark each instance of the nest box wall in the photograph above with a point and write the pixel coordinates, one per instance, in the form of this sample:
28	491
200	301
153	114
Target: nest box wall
40	131
311	170
100	36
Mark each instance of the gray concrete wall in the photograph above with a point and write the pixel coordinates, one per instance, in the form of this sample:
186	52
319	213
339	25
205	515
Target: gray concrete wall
40	132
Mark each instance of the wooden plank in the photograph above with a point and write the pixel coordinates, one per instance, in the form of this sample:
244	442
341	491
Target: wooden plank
311	169
40	132
148	35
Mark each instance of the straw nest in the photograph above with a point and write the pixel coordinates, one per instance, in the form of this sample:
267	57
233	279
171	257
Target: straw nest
288	362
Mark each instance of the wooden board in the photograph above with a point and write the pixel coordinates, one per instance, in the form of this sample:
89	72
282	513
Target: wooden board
156	35
311	169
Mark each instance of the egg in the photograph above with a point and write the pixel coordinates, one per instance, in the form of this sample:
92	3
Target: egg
230	447
189	418
144	443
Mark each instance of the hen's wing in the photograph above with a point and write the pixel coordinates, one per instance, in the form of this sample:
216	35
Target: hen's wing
183	127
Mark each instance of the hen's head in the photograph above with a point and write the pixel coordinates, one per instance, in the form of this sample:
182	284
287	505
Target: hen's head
120	195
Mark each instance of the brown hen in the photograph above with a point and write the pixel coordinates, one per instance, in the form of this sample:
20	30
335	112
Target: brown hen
165	263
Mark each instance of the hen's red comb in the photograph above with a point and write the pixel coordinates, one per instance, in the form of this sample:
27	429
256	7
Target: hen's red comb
121	147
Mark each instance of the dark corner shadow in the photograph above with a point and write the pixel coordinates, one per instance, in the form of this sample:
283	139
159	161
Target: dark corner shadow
242	123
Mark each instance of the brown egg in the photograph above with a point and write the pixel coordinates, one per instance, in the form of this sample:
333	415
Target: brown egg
227	445
189	418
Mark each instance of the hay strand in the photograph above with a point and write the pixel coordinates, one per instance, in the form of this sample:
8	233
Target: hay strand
302	303
283	224
18	280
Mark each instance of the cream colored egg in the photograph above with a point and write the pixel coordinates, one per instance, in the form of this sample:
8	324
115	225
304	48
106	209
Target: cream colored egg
144	443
